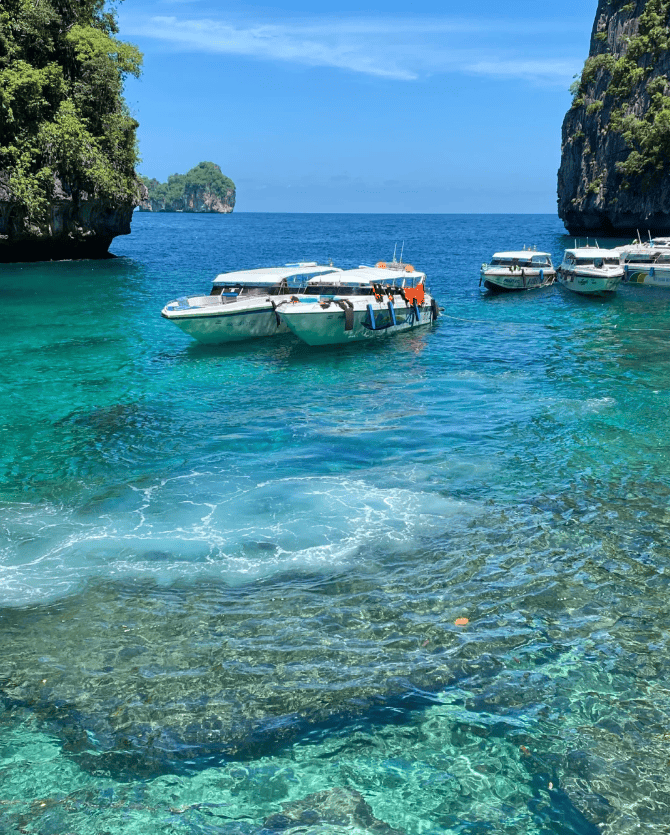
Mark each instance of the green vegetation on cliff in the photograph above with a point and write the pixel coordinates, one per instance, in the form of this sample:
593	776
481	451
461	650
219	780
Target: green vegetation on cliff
647	135
205	177
62	113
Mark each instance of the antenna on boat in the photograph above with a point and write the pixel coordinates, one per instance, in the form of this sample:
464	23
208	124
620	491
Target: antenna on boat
401	251
394	251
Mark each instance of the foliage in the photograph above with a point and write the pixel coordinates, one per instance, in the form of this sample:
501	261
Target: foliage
647	137
205	176
62	112
595	106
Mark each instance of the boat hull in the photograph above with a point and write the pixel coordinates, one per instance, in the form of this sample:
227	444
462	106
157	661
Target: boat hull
233	322
509	281
316	324
648	275
588	284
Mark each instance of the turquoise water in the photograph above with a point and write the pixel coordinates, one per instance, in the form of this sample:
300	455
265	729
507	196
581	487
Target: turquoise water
230	576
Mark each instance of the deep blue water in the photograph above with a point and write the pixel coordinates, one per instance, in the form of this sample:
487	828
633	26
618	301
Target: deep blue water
230	576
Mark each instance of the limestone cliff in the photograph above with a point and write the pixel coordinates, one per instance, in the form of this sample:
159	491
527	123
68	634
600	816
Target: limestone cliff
76	225
615	166
203	189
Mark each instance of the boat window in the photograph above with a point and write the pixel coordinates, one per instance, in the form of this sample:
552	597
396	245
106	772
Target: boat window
541	260
216	290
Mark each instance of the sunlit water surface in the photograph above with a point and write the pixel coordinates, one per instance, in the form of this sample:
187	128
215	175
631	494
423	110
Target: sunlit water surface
230	576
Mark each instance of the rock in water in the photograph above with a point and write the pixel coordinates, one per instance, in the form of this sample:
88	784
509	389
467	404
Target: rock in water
202	189
77	226
614	177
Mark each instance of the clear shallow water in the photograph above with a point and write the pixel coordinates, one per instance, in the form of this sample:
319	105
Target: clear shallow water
230	576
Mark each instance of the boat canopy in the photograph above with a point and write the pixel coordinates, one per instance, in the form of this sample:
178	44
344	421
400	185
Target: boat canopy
584	256
271	276
397	276
522	258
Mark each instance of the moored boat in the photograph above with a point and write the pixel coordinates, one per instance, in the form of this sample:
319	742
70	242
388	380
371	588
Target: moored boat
646	263
590	271
391	298
241	304
524	269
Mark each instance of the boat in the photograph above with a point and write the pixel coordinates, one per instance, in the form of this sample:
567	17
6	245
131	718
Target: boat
241	304
590	270
388	299
524	269
646	263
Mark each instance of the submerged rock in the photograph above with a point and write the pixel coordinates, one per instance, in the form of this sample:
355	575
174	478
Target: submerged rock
334	810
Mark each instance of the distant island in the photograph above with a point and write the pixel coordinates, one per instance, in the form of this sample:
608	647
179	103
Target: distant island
203	189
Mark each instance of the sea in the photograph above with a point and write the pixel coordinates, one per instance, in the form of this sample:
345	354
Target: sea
251	588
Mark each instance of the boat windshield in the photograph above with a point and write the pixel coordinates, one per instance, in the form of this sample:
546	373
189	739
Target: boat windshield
530	261
595	261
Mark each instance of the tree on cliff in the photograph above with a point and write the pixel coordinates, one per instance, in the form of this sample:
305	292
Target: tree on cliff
62	113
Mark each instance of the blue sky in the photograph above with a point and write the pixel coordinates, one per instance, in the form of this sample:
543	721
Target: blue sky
360	106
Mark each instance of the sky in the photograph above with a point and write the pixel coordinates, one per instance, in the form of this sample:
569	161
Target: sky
363	105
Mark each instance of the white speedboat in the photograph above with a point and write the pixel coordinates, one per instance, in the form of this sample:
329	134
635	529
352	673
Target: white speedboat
590	270
524	269
647	263
389	298
241	304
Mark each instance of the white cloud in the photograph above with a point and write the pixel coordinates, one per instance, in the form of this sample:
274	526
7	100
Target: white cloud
387	48
538	70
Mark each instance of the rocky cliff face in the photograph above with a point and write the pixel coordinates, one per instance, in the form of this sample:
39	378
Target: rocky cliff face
192	200
615	167
76	226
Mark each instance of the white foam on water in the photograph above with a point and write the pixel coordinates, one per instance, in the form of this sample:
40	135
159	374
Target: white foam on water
202	526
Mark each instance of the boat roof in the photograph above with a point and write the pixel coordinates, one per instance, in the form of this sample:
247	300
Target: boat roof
522	253
396	274
269	276
592	251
